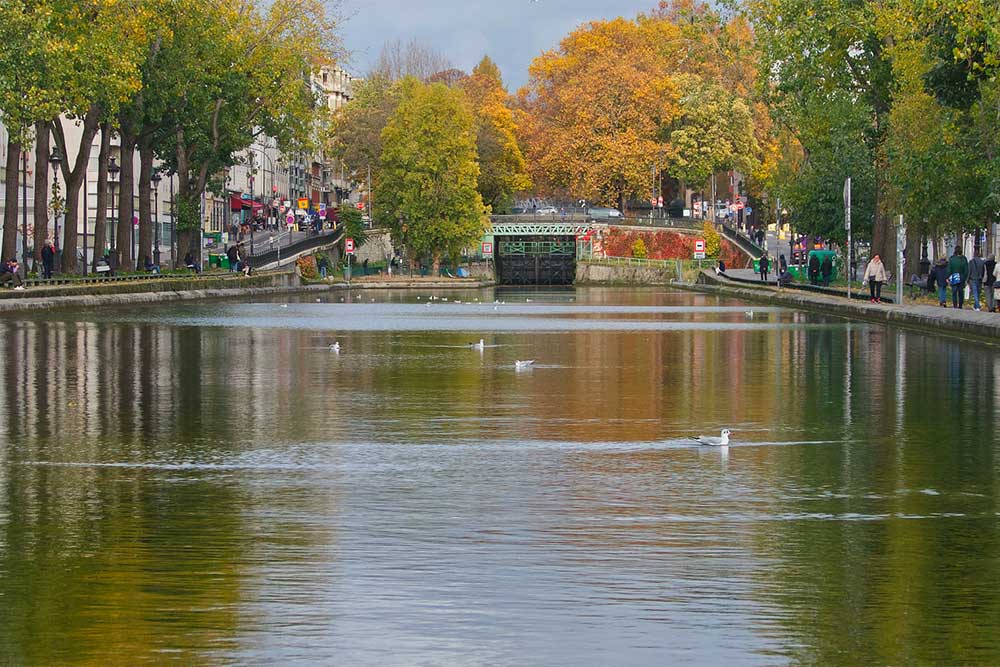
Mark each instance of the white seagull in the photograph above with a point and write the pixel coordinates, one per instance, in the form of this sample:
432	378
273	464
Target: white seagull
522	365
335	347
481	345
749	314
713	441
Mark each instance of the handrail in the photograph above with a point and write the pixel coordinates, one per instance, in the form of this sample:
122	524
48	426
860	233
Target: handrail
742	242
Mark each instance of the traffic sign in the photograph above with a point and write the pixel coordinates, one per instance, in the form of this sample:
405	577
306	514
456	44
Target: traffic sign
749	210
487	249
361	206
699	249
349	246
652	201
738	206
303	203
659	202
290	220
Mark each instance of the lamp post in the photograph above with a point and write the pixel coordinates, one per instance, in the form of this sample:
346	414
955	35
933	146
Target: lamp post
155	180
24	213
250	179
113	171
55	159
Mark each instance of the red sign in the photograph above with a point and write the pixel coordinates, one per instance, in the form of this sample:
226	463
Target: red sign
699	245
739	206
487	249
652	202
349	246
361	206
659	202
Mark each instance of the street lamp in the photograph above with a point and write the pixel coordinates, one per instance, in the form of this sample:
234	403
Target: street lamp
113	171
155	180
251	208
55	159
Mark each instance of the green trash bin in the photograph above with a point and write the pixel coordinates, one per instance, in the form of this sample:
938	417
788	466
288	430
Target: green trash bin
218	260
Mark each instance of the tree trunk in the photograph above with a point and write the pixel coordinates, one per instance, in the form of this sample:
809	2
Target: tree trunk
41	188
145	201
13	177
912	265
101	218
126	203
74	181
436	265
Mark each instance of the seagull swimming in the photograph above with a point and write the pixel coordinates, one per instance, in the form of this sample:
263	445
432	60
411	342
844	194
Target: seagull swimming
284	305
478	346
335	347
521	365
722	441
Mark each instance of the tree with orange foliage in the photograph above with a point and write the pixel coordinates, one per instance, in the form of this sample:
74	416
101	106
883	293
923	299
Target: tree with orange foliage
503	170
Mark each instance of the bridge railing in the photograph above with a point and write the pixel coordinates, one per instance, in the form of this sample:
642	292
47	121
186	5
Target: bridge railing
582	218
742	242
652	263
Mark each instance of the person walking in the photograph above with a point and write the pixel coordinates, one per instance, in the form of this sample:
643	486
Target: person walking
977	273
875	276
826	270
938	278
764	265
813	270
782	264
958	275
989	283
48	259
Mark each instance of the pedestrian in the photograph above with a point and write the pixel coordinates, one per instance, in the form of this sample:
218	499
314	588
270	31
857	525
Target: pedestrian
938	278
764	266
149	266
321	265
826	270
958	275
782	263
813	269
233	254
875	276
977	272
48	259
364	265
9	274
191	264
989	283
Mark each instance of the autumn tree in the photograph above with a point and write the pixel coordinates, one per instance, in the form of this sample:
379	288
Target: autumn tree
428	187
502	167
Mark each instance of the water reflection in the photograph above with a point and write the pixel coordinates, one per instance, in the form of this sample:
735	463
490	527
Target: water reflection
209	483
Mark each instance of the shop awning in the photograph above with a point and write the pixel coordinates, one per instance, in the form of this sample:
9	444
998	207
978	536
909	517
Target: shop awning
237	203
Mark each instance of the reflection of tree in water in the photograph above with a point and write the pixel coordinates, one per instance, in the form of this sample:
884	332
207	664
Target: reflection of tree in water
866	567
100	563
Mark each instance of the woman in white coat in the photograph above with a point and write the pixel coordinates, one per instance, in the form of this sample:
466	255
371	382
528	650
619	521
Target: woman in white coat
875	275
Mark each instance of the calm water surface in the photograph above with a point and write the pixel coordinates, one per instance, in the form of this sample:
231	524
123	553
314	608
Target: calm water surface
209	484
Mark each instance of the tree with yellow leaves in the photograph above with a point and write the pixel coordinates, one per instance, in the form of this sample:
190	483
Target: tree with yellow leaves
502	167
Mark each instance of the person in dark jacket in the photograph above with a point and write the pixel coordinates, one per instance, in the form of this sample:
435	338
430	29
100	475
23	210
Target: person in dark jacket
826	270
9	274
938	278
989	283
958	275
233	254
764	265
977	273
782	264
813	270
48	259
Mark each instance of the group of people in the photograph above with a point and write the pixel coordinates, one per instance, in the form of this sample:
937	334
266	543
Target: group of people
958	272
820	272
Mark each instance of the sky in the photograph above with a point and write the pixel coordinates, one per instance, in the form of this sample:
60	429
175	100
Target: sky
511	32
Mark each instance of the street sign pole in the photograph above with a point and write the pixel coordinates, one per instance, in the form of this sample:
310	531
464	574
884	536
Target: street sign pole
847	222
900	248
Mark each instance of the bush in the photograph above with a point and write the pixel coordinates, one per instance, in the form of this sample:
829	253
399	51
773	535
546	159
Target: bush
639	249
713	240
307	267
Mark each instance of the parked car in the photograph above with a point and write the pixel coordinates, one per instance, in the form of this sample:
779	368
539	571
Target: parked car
547	210
604	213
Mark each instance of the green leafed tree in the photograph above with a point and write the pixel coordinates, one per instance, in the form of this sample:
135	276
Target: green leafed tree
429	171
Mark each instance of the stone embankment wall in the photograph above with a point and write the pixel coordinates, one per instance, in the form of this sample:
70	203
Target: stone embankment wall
601	274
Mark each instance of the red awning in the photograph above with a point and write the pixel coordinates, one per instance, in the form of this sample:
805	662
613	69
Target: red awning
255	206
237	203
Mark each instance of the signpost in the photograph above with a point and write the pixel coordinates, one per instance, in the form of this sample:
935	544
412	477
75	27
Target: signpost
349	251
847	223
487	249
699	249
900	249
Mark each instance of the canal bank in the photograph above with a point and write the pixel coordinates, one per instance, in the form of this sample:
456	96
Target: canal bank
191	288
982	326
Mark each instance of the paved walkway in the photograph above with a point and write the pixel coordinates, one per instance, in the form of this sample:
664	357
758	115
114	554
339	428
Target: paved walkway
968	323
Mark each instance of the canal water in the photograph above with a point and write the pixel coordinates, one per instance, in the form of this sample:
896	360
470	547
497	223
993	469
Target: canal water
210	484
